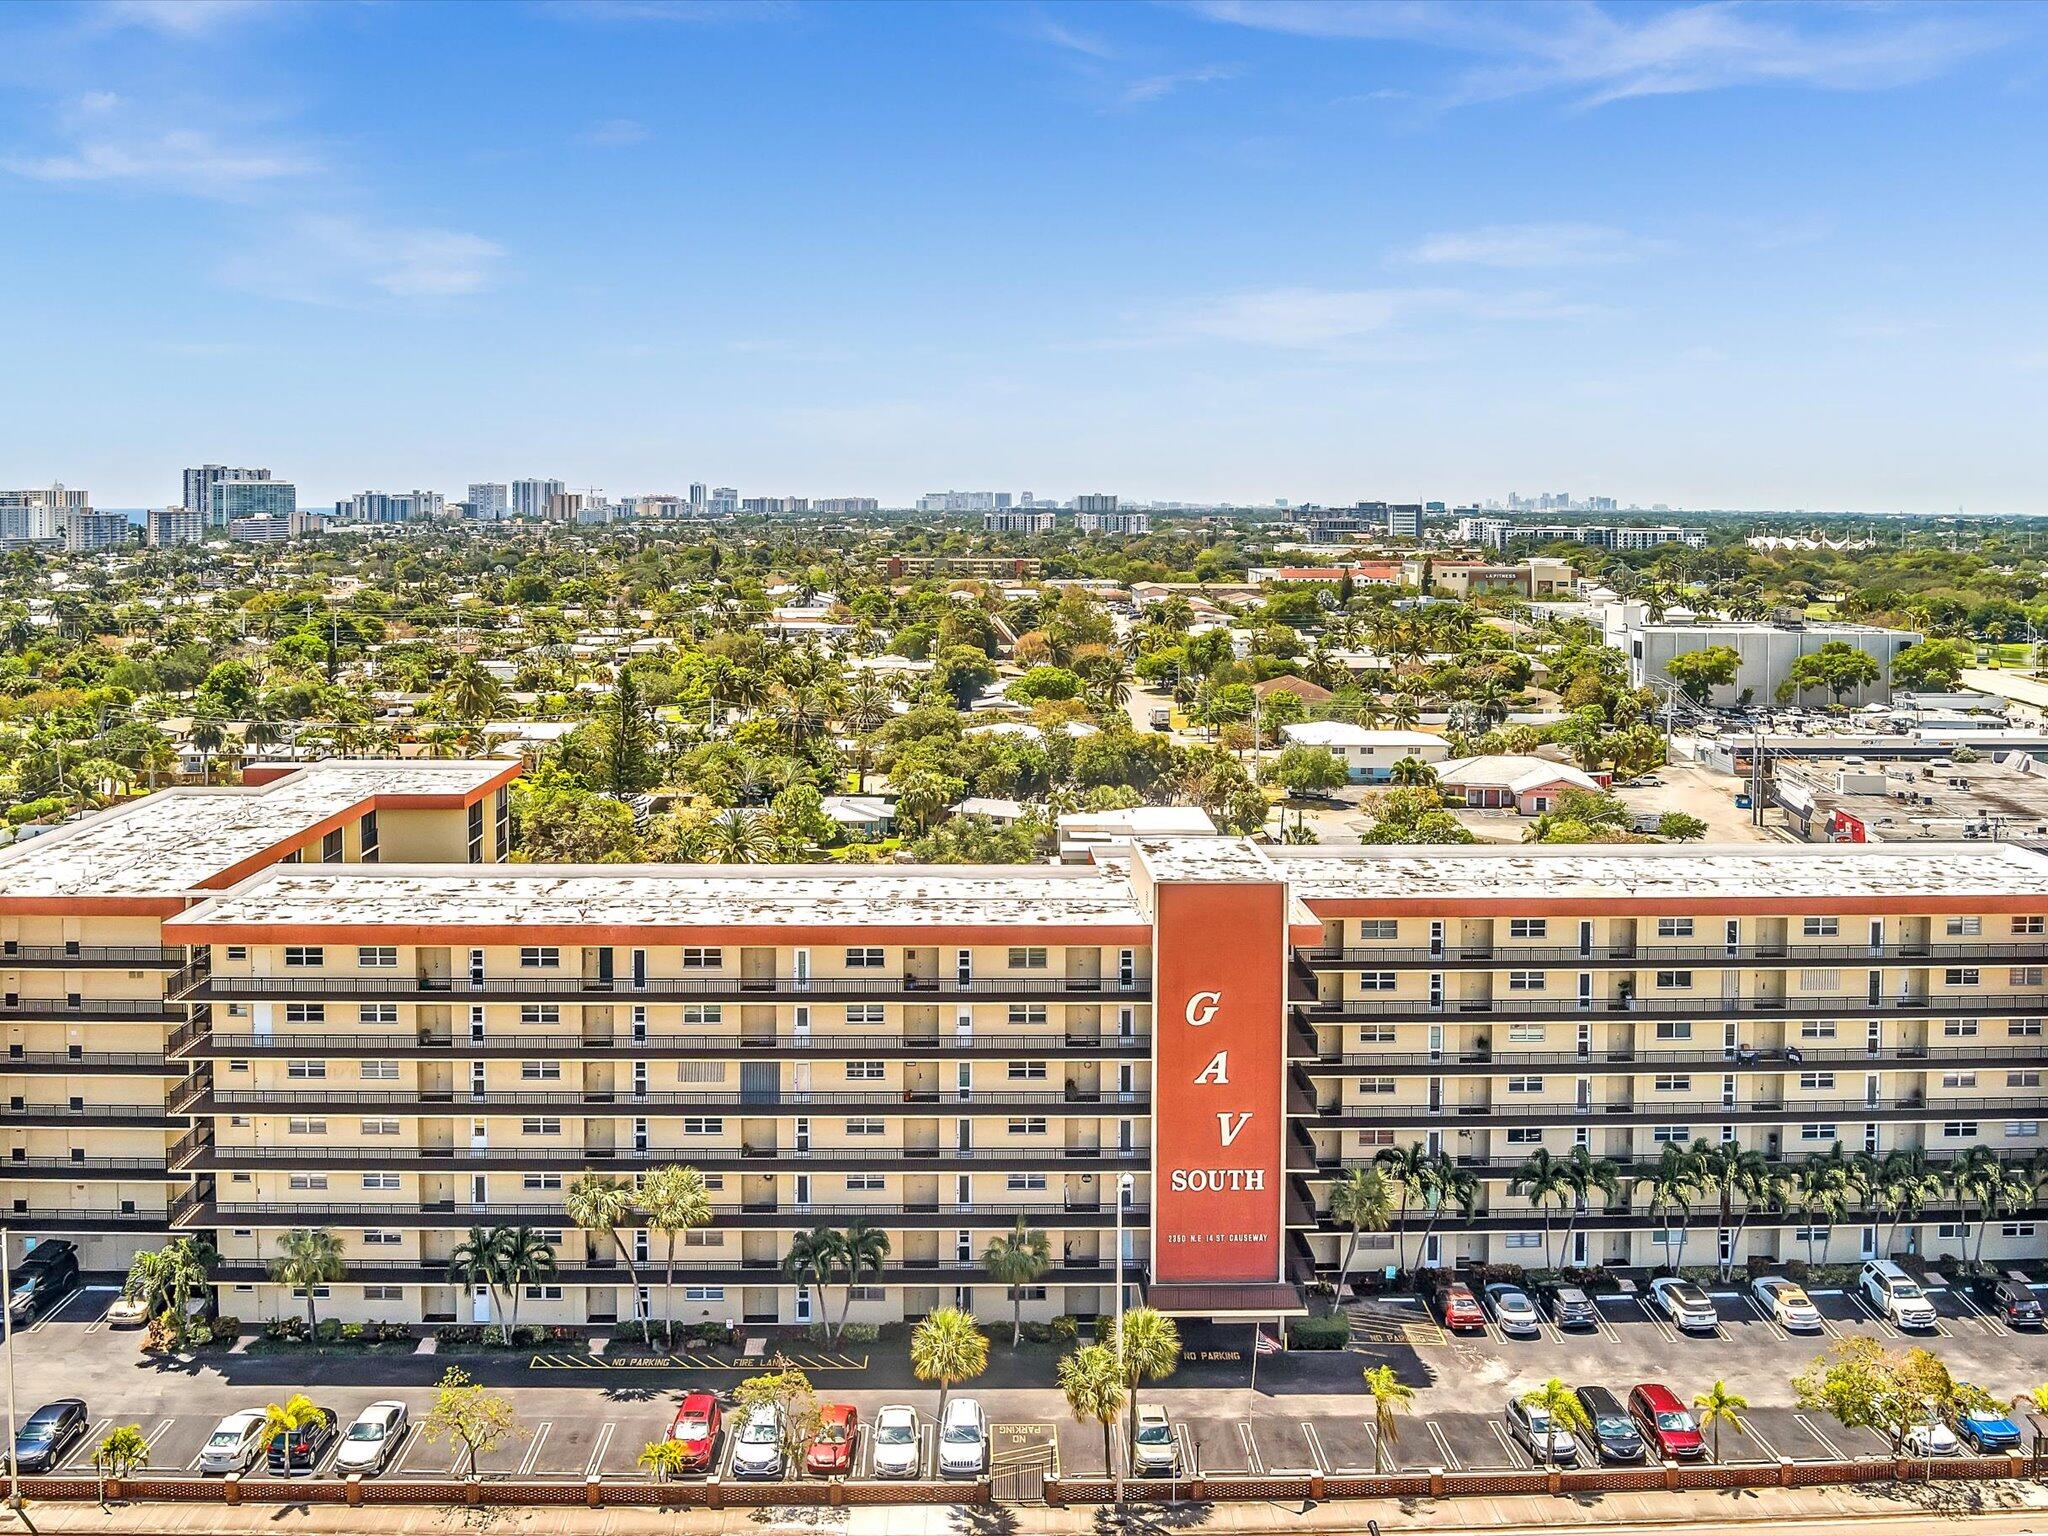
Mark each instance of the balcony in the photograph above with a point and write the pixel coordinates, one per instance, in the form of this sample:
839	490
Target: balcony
76	1112
788	1216
198	1040
575	989
1650	1059
85	1168
67	957
313	1098
110	1009
1649	956
1077	1271
85	1219
204	1155
82	1063
1523	1005
1651	1111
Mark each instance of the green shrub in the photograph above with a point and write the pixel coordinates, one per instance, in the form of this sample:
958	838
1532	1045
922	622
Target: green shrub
859	1333
1319	1332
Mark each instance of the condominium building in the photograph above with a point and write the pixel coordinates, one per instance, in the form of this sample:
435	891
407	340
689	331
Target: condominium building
165	526
489	501
200	481
1019	521
530	498
86	531
1113	522
396	1052
390	506
231	500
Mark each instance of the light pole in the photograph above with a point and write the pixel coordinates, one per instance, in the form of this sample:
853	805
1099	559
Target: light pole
1124	1185
13	1432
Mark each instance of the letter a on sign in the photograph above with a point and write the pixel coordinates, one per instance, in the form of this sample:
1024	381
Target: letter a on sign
1202	1007
1232	1132
1218	1070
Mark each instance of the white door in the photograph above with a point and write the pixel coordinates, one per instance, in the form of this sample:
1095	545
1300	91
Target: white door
800	972
479	1135
480	1304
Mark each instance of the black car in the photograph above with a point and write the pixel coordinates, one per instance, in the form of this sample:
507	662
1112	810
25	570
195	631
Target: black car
1609	1425
2003	1296
1570	1307
41	1280
50	1431
293	1451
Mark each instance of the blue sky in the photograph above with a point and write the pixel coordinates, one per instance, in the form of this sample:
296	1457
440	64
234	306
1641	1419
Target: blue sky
1704	254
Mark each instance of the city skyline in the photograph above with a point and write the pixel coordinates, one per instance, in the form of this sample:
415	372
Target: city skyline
1704	256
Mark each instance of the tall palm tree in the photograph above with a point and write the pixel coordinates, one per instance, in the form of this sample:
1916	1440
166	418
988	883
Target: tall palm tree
1559	1404
308	1258
1541	1180
1585	1174
2012	1190
1391	1397
1148	1348
166	1279
675	1201
1412	1171
1672	1184
1717	1405
1973	1177
947	1346
1094	1389
599	1205
1823	1189
1909	1184
738	837
1748	1174
1451	1187
1014	1260
862	1253
478	1264
812	1261
525	1258
1362	1201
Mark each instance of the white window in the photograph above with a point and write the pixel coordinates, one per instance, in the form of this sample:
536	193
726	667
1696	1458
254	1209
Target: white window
1030	958
2035	924
1958	1079
540	1013
377	957
2023	1028
1959	1130
1528	927
703	1013
1671	1135
1026	1071
1024	1183
304	954
1524	1136
864	1071
703	1125
1962	976
864	1126
306	1125
2022	1130
1027	1015
1674	1082
703	1293
306	1181
1959	1029
697	958
541	1125
704	1237
540	1183
2022	1079
1674	927
1820	981
540	956
1375	981
1375	1085
1525	981
2016	1229
381	1126
1816	1082
1525	1085
1674	1029
1378	928
1027	1125
1525	1034
867	958
1820	927
376	1013
865	1015
865	1183
1817	1029
1965	927
301	1068
376	1238
1382	1034
386	1181
383	1293
543	1293
1521	1239
2024	976
540	1071
1816	1133
305	1013
1674	980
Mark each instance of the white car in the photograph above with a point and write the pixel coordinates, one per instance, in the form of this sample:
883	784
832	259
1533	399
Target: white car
1684	1303
1931	1437
757	1448
1894	1295
895	1442
368	1445
1154	1452
1513	1311
235	1443
963	1439
127	1312
1785	1303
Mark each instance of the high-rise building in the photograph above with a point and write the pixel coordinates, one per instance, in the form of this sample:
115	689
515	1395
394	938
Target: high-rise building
390	507
1020	520
725	501
37	515
1121	521
199	483
166	526
488	502
86	530
1095	503
229	499
530	497
964	501
1404	520
696	495
274	527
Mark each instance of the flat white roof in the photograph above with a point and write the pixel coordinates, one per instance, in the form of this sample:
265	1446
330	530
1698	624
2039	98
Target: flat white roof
675	896
176	840
1341	733
1824	872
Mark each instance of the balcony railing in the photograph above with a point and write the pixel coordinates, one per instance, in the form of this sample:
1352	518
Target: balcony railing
83	1062
925	1159
1078	1269
450	1213
87	1114
1649	956
671	989
89	1167
1523	1005
298	1097
90	1008
116	956
201	1041
1648	1058
1693	1111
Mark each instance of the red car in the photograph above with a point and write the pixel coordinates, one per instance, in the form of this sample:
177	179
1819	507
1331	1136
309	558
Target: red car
831	1452
1461	1308
696	1429
1665	1422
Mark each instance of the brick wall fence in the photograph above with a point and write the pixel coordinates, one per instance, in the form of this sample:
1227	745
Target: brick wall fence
716	1493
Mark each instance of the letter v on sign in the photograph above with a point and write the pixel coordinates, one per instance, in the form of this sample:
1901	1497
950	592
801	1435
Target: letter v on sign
1231	1131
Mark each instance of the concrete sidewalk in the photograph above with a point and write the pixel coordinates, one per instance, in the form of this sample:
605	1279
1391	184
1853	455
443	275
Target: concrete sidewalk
1990	1508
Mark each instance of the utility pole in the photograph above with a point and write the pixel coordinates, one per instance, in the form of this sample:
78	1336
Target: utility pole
13	1429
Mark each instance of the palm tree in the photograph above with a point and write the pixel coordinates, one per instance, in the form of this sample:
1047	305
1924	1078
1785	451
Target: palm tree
738	837
1584	1174
1718	1404
1412	1171
599	1204
1672	1185
308	1258
1362	1202
665	1458
120	1452
1971	1178
525	1258
812	1261
1450	1187
478	1263
289	1417
1747	1173
1094	1389
1542	1179
675	1200
1148	1348
1823	1189
2011	1190
1391	1397
862	1252
165	1280
471	692
1560	1407
1017	1259
207	734
1908	1183
947	1347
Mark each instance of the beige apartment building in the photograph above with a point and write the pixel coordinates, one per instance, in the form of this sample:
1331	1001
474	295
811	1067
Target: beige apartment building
321	1035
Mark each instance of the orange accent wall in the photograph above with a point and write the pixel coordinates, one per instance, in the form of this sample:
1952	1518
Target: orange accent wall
187	930
1220	945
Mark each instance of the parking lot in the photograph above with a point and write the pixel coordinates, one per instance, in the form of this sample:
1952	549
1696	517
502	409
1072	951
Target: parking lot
1308	1414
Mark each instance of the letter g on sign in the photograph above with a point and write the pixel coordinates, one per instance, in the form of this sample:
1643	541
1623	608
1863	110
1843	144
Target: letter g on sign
1202	1007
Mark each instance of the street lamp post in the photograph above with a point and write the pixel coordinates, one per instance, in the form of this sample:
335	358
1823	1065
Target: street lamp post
1124	1185
7	1323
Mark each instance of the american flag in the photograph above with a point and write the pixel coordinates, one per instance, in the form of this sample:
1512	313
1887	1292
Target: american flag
1266	1345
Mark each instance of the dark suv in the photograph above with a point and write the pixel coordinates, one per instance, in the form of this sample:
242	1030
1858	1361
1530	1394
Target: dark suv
1609	1425
43	1278
2008	1297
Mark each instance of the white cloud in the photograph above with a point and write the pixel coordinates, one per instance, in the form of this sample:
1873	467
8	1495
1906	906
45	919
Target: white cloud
177	159
615	133
1599	55
1528	245
1043	28
336	260
1153	87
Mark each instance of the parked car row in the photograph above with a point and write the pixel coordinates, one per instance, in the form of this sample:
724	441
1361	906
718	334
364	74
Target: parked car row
243	1441
896	1442
1653	1419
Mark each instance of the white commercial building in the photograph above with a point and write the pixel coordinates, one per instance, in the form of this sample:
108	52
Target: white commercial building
1767	651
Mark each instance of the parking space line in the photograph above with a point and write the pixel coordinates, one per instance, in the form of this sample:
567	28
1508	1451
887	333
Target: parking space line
326	1460
1450	1456
82	1457
1384	1455
540	1438
1251	1449
50	1312
1657	1321
603	1443
1877	1317
1975	1313
159	1432
1757	1310
1514	1451
1181	1438
1757	1435
1315	1446
1834	1451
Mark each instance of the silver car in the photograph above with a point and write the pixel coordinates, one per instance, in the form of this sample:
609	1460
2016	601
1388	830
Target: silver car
963	1439
1548	1443
757	1448
1154	1452
895	1442
368	1445
1688	1307
1513	1311
235	1443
